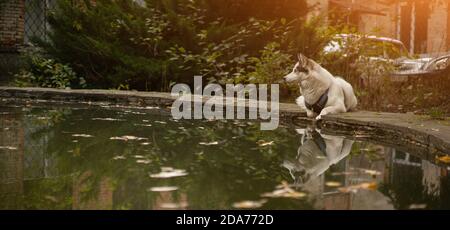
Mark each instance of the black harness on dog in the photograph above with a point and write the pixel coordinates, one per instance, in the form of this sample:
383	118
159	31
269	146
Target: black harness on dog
320	104
319	141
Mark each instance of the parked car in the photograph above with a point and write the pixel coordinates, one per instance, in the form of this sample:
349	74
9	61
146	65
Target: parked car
392	49
379	49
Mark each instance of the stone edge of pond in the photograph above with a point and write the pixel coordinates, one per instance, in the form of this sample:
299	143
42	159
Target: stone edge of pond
429	137
390	128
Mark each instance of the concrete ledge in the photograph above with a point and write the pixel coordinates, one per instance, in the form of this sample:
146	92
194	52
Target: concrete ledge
415	134
419	135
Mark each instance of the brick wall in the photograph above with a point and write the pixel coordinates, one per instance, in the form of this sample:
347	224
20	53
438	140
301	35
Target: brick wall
11	24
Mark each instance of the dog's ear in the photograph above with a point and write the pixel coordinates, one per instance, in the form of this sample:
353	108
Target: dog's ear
302	59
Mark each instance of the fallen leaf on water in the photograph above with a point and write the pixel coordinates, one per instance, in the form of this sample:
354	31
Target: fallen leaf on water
144	162
161	122
249	204
134	112
51	198
436	130
417	206
107	119
163	189
82	135
444	159
333	184
119	158
372	172
145	143
8	147
284	191
128	138
355	188
281	193
342	173
169	173
209	143
174	205
143	125
138	156
263	143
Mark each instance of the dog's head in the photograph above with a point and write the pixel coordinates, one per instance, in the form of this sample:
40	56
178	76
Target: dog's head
304	68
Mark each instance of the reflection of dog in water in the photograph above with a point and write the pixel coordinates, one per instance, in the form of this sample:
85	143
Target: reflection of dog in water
315	155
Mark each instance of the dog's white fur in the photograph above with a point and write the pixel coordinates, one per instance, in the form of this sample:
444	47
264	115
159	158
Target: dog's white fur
311	162
315	81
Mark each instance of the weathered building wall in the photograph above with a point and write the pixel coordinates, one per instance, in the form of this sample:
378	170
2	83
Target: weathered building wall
318	7
378	24
438	27
11	24
424	26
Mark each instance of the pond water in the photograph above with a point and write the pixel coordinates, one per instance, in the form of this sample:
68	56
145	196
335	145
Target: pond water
61	157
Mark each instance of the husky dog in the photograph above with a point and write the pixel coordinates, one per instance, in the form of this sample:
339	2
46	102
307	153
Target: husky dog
316	154
322	93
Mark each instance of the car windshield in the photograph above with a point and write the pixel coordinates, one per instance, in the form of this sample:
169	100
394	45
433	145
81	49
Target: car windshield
371	47
395	50
384	48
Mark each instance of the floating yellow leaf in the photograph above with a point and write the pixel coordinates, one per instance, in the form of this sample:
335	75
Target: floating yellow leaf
249	204
263	143
372	172
444	159
333	184
284	191
355	188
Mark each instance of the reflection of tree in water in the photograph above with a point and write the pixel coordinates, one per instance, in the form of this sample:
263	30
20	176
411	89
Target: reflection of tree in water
218	175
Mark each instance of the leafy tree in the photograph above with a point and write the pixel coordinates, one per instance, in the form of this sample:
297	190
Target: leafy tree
121	43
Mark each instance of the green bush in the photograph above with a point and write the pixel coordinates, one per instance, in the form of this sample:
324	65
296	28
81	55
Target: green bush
270	68
46	72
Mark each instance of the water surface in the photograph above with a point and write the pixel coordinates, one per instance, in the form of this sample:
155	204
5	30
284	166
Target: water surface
61	157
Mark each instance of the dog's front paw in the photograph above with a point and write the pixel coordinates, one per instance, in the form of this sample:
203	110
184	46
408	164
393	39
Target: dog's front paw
319	117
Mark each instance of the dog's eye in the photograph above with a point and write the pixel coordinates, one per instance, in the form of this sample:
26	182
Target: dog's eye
301	69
